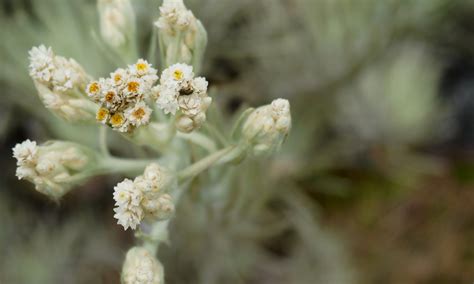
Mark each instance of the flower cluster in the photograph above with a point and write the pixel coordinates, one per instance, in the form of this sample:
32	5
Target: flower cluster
145	197
267	127
122	96
180	91
140	267
49	166
174	16
60	82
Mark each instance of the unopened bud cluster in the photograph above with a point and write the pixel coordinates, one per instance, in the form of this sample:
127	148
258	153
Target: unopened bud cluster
267	127
177	21
60	82
145	197
50	166
141	267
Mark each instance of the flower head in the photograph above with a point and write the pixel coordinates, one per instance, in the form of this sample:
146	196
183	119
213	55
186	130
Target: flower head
139	114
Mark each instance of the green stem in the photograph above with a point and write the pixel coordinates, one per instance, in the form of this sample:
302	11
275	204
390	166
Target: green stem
157	235
214	131
108	165
199	139
204	163
103	141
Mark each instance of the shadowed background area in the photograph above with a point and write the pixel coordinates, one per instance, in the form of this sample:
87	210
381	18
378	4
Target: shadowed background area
375	183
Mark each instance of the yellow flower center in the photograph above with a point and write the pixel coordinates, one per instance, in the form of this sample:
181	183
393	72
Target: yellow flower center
102	114
109	96
122	195
133	86
178	74
142	67
117	78
139	113
116	119
94	88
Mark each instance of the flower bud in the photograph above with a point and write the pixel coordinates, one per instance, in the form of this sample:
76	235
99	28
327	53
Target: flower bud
141	267
267	127
52	165
117	21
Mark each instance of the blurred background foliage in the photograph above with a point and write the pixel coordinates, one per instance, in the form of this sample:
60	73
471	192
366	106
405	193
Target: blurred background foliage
374	185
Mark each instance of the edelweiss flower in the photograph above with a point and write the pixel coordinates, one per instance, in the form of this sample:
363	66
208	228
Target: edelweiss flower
119	76
178	73
138	114
144	197
122	96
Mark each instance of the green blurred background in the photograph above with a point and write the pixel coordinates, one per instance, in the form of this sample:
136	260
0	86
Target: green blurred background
381	154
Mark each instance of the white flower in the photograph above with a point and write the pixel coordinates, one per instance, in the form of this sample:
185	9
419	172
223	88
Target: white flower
139	114
143	69
25	152
174	15
41	63
125	194
140	267
119	77
178	72
200	85
94	89
167	98
128	217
